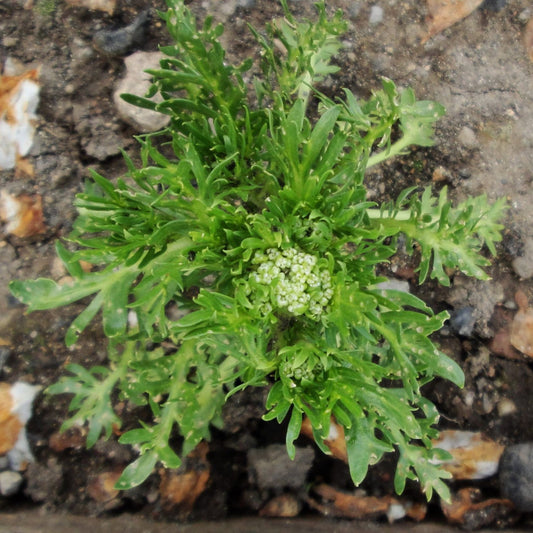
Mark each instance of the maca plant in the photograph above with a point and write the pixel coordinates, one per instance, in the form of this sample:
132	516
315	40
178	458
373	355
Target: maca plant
248	217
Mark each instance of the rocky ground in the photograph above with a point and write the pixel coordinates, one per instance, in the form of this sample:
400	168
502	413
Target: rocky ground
479	69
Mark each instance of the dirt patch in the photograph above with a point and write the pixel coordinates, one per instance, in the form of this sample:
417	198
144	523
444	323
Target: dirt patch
479	69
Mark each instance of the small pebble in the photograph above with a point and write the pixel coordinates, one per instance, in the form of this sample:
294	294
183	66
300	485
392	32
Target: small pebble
525	15
463	321
516	475
80	52
465	174
376	15
13	67
467	138
246	4
10	482
523	265
282	506
441	174
271	467
506	407
354	9
9	42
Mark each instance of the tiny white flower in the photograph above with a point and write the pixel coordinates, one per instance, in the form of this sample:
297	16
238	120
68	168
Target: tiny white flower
292	275
274	271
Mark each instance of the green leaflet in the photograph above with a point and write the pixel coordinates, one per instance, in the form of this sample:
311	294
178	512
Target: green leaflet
137	472
293	431
363	449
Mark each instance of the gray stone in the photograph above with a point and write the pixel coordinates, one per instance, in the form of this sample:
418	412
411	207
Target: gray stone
523	265
467	138
101	148
376	15
271	467
137	82
98	138
10	482
481	296
246	4
525	15
118	42
354	9
44	481
516	475
463	321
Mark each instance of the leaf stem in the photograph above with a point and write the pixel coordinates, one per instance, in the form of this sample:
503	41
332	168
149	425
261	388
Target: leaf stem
403	215
395	149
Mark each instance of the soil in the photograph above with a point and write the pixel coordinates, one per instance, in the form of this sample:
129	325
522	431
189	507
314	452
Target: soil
479	69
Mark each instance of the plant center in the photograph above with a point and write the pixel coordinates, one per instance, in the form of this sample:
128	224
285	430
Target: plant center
296	282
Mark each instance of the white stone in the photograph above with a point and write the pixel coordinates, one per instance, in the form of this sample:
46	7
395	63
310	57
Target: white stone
17	121
22	396
137	82
10	482
376	15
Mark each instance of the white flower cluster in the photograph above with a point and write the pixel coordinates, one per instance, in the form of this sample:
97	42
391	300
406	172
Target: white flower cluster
298	283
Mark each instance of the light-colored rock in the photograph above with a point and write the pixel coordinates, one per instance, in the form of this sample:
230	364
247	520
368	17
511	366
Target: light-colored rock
467	138
95	5
506	407
282	506
22	215
474	456
10	482
15	410
137	82
19	98
376	15
9	42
